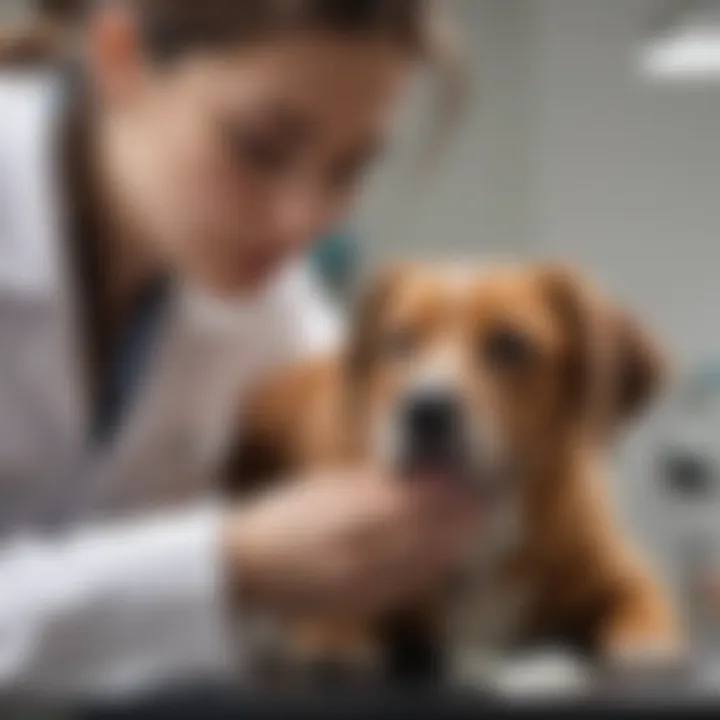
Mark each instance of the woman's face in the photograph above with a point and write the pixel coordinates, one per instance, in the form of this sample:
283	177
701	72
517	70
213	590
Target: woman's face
235	162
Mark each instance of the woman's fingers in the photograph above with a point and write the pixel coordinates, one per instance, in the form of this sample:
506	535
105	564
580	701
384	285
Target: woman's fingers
341	543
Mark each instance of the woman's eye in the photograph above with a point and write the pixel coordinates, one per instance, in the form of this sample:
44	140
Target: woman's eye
507	349
264	154
398	344
258	151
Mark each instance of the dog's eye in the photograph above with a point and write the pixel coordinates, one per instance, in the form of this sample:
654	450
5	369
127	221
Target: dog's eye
398	343
507	349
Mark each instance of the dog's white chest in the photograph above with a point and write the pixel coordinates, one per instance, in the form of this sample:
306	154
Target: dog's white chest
488	615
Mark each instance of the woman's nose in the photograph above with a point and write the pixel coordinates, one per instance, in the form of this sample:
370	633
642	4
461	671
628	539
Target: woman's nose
302	215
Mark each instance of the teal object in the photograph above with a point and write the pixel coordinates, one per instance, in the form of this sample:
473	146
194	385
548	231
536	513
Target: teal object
335	260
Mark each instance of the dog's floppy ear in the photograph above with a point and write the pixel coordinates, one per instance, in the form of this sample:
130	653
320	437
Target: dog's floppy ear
259	451
612	367
643	367
368	309
270	422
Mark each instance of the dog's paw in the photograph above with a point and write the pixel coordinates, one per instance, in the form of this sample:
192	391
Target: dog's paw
330	659
535	675
647	654
544	674
311	656
639	663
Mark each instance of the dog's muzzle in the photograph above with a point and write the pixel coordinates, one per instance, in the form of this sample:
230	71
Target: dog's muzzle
439	442
433	435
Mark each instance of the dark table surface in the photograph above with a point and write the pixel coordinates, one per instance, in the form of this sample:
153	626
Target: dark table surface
609	696
605	700
217	705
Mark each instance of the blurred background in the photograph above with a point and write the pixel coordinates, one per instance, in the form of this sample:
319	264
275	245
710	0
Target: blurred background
593	138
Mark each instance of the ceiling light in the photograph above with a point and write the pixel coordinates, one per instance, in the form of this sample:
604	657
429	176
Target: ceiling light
686	47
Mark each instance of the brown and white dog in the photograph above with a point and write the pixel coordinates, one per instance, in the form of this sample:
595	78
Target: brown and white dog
514	381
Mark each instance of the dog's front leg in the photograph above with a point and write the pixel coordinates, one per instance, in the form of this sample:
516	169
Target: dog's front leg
329	654
640	629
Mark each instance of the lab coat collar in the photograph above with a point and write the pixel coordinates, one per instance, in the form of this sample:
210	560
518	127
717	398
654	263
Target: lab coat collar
35	271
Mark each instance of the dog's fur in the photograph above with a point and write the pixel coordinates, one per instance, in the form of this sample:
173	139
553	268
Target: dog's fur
541	408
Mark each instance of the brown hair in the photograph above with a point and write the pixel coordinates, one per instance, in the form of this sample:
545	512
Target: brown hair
174	26
171	28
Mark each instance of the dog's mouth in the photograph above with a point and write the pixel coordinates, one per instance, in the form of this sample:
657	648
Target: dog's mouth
436	444
436	471
486	484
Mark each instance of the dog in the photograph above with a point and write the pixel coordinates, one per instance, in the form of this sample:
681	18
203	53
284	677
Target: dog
512	381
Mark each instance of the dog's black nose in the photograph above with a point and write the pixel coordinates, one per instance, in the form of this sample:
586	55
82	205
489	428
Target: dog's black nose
432	422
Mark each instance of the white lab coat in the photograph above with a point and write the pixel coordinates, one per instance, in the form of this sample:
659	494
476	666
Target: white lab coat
130	591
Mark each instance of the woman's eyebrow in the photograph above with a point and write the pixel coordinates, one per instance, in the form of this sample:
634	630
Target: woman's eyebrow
291	122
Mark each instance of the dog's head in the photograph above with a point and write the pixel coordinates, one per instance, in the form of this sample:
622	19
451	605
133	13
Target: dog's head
481	377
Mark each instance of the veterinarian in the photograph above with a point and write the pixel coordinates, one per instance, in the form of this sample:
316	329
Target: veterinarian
157	194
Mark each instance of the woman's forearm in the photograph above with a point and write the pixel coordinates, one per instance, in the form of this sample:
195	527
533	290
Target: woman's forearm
115	609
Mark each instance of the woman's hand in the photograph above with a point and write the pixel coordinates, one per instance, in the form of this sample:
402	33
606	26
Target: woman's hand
345	545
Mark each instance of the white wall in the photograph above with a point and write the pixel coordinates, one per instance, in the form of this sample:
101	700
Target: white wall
477	202
10	9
